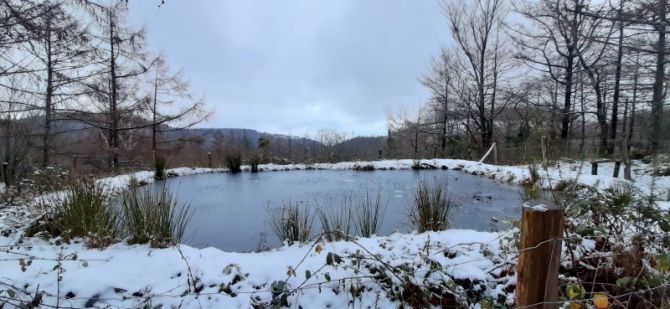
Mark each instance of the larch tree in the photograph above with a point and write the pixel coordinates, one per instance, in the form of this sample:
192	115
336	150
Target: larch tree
61	51
116	92
172	106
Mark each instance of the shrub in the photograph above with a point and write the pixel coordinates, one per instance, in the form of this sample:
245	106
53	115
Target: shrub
156	218
369	215
159	168
84	210
234	162
431	207
621	194
530	192
254	161
336	221
291	222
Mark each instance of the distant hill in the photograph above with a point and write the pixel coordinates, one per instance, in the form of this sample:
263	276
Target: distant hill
249	136
73	137
362	148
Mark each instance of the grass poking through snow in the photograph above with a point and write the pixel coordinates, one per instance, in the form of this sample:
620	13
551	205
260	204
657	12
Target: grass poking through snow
154	217
431	207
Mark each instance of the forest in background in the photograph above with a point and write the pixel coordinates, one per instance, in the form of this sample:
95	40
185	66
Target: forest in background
561	78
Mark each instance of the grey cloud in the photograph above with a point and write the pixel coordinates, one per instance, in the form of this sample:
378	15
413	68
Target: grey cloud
296	66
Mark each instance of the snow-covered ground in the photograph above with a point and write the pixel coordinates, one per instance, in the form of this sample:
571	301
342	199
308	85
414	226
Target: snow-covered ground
126	276
123	275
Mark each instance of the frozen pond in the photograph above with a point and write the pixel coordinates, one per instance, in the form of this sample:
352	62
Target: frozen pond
230	211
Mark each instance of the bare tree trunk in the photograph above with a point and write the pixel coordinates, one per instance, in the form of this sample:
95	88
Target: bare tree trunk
659	76
600	105
154	125
445	110
583	115
46	137
567	93
623	148
114	128
617	80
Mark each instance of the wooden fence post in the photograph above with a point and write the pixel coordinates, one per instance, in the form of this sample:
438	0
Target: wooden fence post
5	174
539	255
594	168
209	159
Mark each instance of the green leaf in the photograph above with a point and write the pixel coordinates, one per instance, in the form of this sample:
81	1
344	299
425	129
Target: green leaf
624	282
663	262
337	258
308	274
11	293
327	276
574	291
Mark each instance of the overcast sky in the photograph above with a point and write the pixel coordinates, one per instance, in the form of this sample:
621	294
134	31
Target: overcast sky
296	66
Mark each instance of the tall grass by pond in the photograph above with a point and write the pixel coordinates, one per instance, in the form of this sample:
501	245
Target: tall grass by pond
234	162
430	210
156	218
431	207
254	161
101	216
369	214
292	222
336	222
83	210
160	165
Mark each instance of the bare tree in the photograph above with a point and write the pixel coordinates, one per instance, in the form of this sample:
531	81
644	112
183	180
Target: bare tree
440	83
61	50
116	89
173	106
551	38
476	28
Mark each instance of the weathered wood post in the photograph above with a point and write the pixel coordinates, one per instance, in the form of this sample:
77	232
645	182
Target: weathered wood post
380	154
5	174
617	167
539	255
209	159
594	168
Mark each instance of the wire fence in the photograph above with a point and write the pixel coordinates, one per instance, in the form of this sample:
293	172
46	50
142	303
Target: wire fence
395	276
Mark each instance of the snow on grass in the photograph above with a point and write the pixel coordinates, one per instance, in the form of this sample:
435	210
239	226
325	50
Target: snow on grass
123	276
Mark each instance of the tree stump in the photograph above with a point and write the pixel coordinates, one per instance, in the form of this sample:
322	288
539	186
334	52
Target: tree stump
539	255
594	168
617	167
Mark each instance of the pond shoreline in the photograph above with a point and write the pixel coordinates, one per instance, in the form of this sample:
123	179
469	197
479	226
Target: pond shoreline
318	273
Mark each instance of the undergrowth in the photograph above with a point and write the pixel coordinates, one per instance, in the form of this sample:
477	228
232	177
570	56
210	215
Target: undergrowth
154	217
292	222
431	207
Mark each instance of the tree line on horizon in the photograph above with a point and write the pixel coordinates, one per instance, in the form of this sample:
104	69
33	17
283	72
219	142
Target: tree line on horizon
555	78
583	78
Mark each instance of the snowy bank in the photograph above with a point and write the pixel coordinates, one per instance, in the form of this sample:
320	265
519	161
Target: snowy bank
128	276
